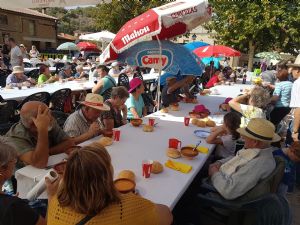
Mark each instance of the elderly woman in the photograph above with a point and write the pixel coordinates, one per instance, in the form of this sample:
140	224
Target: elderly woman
252	104
13	210
135	103
114	118
87	192
80	73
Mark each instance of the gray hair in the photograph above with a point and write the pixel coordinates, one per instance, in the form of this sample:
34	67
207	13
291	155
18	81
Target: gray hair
120	92
7	152
260	97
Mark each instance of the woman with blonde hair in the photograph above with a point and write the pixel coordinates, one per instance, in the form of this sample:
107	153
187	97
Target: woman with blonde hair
86	194
252	104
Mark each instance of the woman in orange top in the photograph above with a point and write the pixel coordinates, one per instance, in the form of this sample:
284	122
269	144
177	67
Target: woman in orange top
87	191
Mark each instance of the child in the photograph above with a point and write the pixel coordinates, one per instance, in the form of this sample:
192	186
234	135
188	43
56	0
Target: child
225	136
291	156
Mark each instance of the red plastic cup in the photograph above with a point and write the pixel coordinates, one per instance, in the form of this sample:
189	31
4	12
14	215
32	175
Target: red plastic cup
151	121
147	167
116	134
186	121
174	143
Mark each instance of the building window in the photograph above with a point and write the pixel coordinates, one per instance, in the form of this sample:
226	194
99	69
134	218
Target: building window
3	19
48	45
31	27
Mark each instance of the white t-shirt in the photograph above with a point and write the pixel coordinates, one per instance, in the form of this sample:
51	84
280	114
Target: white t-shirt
249	112
15	53
295	95
228	147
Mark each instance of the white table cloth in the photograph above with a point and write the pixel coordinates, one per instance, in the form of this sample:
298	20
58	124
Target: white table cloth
16	94
51	68
136	145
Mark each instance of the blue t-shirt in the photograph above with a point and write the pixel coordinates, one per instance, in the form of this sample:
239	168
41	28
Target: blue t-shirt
283	89
138	105
289	171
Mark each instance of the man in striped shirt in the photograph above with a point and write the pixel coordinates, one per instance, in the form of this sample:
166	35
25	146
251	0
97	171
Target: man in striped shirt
84	123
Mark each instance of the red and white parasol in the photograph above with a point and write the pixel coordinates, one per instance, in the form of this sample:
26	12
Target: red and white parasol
167	21
216	51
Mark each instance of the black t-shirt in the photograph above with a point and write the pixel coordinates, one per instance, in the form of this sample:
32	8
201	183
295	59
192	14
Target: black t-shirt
168	99
15	211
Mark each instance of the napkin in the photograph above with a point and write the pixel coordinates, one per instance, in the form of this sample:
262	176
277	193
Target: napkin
183	168
200	149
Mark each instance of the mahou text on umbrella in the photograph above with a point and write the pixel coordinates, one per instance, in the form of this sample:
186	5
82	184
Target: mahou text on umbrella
135	34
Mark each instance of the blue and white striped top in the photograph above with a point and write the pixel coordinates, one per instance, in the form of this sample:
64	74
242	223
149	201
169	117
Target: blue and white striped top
283	89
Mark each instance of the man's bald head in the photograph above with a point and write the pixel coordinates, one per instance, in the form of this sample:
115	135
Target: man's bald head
29	110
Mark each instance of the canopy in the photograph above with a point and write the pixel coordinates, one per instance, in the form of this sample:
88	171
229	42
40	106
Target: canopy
69	46
196	44
48	3
216	51
103	36
167	21
175	58
87	46
269	55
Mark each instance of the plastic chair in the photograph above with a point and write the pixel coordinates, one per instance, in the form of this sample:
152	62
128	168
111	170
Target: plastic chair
35	73
60	117
138	75
257	206
123	80
61	100
8	115
39	96
27	65
58	67
39	64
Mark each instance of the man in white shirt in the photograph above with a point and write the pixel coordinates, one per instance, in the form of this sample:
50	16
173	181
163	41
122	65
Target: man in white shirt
294	129
16	56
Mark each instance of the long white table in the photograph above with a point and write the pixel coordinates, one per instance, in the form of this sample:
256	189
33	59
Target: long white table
16	94
136	145
51	68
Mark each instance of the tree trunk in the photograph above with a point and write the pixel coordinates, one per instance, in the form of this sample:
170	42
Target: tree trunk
251	55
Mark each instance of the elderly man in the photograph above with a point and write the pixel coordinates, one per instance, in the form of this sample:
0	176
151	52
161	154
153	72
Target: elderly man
37	135
17	78
294	129
106	81
16	56
84	123
234	176
66	73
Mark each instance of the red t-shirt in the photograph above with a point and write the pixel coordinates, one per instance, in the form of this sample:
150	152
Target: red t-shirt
212	81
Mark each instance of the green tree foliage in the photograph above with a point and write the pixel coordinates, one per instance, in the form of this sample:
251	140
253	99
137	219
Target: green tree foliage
257	25
114	15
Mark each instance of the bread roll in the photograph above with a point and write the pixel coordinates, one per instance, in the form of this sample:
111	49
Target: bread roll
105	141
201	123
194	121
173	153
127	174
210	123
174	108
157	167
164	110
148	128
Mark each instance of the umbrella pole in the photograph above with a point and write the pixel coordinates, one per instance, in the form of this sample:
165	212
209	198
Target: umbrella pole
159	74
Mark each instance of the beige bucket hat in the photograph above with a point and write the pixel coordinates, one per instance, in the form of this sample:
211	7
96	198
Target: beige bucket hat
296	63
18	69
95	101
260	129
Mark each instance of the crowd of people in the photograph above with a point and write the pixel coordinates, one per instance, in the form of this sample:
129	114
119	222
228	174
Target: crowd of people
254	118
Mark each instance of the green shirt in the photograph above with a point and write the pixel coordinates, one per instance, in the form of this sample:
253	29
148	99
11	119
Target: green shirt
24	141
137	104
108	82
42	79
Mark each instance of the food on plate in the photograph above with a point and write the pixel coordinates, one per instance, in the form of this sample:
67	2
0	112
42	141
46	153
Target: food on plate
194	121
210	123
105	141
126	174
157	167
124	185
205	92
188	152
148	128
174	107
164	110
136	122
201	123
173	153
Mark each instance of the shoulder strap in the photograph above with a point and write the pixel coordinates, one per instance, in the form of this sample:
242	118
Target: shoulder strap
110	79
85	219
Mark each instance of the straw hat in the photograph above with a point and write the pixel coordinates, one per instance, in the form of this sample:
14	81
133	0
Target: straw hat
260	129
18	69
296	63
114	64
95	101
134	83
